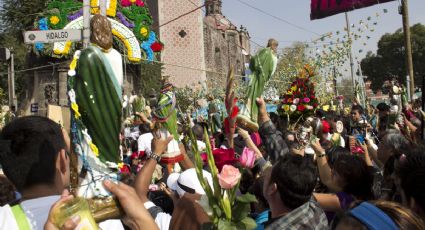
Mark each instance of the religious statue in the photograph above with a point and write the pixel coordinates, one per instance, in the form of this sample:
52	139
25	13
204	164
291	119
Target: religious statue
263	65
165	116
95	83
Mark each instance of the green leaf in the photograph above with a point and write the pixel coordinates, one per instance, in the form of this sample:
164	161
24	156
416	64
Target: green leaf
226	225
246	198
240	211
249	223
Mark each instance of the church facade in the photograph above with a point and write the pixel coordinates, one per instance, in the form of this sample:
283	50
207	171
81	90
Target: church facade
200	43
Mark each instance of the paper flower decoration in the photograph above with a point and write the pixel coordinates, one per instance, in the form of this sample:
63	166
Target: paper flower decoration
126	3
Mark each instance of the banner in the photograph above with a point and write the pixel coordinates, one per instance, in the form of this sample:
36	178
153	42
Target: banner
325	8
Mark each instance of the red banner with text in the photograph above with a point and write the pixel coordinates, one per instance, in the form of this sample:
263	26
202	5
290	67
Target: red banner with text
325	8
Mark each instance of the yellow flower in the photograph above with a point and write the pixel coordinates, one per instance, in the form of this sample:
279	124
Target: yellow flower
286	108
74	107
54	20
132	1
294	88
120	165
94	148
144	32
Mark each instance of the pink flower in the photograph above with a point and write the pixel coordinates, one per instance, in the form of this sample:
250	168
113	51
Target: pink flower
309	107
296	101
247	158
306	100
229	177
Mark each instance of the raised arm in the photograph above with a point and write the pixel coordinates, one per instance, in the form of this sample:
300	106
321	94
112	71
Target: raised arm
272	139
325	171
144	177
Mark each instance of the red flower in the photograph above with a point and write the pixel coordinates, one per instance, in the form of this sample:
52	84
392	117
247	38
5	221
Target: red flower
300	108
315	105
221	157
156	47
312	97
126	3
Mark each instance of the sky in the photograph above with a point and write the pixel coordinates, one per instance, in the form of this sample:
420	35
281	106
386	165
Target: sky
261	26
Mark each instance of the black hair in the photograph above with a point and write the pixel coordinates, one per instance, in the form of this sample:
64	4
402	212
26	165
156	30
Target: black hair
333	153
7	191
295	177
358	108
198	131
144	128
162	200
134	146
30	148
356	174
411	171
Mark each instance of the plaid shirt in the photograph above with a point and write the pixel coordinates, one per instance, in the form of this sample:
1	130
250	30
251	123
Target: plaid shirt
307	216
273	141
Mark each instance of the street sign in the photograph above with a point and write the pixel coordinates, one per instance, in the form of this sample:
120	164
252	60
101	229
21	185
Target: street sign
4	54
34	107
50	36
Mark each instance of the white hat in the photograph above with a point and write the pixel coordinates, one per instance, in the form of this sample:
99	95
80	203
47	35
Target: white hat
172	181
188	182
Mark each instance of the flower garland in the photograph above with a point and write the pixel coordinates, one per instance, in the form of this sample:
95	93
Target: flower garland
124	20
42	25
146	46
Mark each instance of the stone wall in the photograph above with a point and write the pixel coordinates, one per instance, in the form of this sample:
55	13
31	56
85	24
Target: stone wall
223	50
183	52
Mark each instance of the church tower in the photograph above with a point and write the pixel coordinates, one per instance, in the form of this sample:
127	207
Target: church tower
213	7
183	40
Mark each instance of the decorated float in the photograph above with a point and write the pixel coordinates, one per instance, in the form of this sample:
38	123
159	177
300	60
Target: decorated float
131	26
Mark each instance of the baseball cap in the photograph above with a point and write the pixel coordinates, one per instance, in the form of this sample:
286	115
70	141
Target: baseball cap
188	182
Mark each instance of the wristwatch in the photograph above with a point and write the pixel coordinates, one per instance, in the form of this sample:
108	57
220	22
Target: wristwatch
155	157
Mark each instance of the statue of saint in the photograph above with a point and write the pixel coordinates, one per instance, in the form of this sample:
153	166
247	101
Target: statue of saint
96	101
98	89
263	65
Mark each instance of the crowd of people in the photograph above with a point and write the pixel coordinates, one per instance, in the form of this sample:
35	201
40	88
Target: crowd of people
356	171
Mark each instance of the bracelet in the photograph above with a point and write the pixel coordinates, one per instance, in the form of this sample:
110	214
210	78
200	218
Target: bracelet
321	155
155	157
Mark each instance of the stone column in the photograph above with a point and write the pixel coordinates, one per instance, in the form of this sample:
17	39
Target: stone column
63	84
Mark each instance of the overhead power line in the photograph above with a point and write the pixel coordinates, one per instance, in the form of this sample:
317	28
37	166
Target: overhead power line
278	18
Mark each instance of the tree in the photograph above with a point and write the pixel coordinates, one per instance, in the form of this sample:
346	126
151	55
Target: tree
390	59
293	59
17	16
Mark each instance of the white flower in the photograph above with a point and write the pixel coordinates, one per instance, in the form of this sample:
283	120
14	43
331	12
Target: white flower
292	108
5	108
71	95
77	54
71	72
133	98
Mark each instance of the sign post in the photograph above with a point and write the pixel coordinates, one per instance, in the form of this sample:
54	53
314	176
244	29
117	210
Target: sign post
51	36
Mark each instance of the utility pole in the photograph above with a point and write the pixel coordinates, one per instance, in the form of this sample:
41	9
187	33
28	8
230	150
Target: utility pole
408	44
86	23
350	54
102	5
11	82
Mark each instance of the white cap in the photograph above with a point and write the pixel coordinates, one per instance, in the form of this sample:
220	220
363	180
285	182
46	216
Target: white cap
188	180
172	181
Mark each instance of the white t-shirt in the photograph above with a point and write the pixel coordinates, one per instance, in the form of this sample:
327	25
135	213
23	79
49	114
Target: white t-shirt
162	219
37	212
144	142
